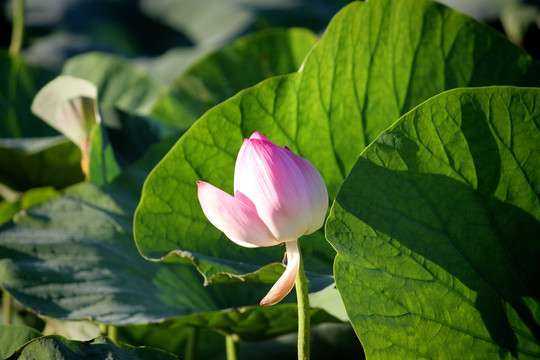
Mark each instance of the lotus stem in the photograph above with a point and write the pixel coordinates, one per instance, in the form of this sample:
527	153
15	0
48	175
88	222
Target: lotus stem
112	332
303	312
6	307
191	346
230	346
18	28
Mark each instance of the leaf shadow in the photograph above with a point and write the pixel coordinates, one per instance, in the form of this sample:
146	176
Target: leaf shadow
499	270
491	246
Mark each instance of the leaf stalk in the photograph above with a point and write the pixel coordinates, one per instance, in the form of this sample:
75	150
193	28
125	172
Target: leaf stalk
191	346
7	309
230	347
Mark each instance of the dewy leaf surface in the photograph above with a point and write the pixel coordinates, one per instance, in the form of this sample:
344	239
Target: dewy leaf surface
375	62
437	230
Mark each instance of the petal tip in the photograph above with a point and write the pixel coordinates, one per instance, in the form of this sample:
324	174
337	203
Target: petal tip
256	135
265	303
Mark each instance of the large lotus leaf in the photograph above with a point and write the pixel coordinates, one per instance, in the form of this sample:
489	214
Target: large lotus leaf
34	162
120	83
59	348
13	336
19	82
74	258
235	67
437	230
376	61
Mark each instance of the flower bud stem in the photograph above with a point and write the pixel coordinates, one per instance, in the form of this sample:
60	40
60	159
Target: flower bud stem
303	312
18	27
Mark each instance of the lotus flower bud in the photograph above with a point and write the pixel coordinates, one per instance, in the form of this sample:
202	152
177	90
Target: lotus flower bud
278	197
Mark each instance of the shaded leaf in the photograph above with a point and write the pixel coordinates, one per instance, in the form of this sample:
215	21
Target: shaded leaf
253	323
74	258
13	336
60	348
19	82
437	228
131	135
120	83
28	199
37	162
372	65
328	341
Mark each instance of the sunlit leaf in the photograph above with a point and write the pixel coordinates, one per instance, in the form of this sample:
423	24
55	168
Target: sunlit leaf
372	65
437	228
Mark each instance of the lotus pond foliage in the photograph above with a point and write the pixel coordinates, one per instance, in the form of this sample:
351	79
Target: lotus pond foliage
382	157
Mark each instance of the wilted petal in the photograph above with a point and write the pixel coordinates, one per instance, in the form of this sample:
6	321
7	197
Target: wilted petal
235	216
286	282
266	174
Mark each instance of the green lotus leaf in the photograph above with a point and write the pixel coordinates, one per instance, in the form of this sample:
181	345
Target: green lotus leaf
372	65
59	348
437	228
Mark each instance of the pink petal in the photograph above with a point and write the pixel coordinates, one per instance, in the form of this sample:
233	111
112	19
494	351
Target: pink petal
236	217
317	189
258	136
267	175
286	282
